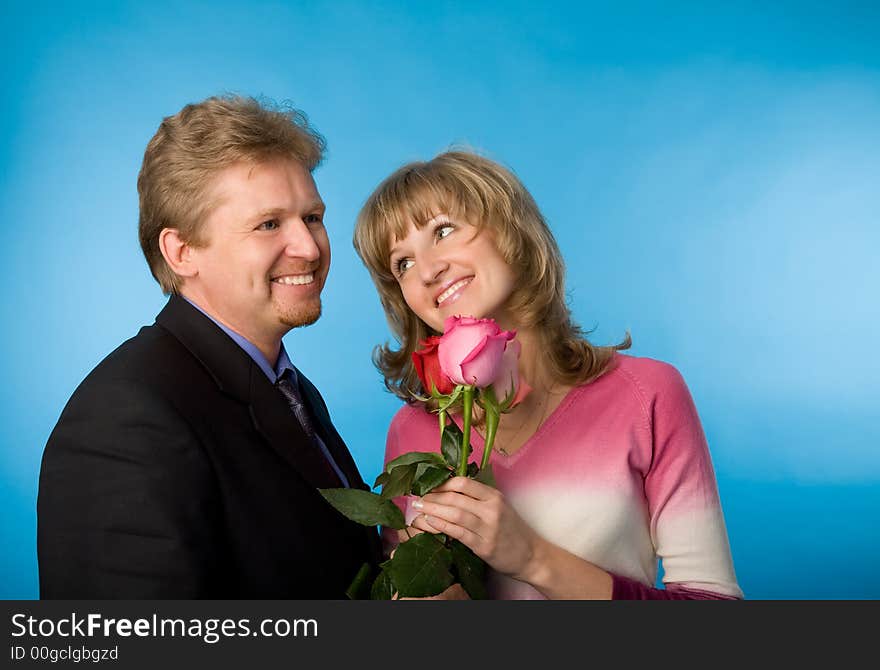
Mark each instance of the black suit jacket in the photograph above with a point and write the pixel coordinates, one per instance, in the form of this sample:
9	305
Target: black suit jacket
177	470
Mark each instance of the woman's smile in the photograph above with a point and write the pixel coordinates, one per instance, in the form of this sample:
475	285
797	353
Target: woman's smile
436	267
453	292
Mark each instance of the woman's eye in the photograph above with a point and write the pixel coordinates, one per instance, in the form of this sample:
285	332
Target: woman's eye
444	230
271	224
402	265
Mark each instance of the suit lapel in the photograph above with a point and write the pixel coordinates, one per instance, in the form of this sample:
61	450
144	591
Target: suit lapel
331	437
236	375
274	420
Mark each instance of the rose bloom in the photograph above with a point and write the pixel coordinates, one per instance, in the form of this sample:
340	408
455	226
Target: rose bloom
471	351
508	380
427	367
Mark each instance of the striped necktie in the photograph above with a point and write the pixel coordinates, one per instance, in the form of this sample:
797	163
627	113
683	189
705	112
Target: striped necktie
291	394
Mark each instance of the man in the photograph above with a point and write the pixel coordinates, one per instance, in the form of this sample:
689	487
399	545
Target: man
187	464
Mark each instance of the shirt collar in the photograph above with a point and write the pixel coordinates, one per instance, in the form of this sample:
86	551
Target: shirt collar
281	365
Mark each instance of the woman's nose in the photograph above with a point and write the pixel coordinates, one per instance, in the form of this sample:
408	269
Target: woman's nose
431	267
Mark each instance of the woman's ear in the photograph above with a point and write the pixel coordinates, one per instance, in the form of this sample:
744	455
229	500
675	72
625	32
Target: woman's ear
177	253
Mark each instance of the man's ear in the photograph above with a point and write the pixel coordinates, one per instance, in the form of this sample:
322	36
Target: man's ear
177	253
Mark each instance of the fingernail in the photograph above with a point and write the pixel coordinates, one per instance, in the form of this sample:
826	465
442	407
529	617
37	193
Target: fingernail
417	504
409	512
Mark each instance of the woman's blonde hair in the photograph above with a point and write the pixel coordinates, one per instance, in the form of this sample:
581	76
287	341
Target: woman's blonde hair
475	189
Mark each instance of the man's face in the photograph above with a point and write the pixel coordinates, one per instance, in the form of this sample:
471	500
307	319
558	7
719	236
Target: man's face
267	254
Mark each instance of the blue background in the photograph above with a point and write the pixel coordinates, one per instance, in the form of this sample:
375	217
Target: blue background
711	175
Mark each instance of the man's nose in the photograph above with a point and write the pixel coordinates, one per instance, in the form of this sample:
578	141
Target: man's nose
300	242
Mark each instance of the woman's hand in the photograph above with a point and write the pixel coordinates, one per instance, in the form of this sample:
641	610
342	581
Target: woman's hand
479	517
454	592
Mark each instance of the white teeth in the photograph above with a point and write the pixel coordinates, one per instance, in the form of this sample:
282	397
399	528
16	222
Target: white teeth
294	280
452	289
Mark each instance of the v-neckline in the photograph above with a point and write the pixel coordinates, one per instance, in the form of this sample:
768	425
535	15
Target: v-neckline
506	461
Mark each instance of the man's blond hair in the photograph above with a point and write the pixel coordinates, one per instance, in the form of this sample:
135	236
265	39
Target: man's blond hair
191	147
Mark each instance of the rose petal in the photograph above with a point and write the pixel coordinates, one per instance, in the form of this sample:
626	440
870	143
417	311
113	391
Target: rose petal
428	369
507	379
481	367
463	335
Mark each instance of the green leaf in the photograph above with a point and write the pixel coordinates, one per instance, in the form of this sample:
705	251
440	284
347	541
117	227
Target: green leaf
414	457
365	507
450	445
486	476
359	589
399	481
470	569
488	399
383	587
430	479
420	567
381	480
506	403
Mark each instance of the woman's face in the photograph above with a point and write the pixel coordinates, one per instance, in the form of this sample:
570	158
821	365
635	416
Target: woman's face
449	268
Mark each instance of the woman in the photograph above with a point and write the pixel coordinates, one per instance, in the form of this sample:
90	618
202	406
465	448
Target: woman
603	467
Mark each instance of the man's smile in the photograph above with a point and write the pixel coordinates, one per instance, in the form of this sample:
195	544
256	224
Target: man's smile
294	280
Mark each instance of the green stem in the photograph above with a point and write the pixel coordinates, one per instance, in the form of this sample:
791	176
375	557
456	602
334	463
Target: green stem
467	406
492	417
442	415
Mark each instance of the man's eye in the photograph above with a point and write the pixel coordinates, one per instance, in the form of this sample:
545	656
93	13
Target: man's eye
314	218
402	265
271	224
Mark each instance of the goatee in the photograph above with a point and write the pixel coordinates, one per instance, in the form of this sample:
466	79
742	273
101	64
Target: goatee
301	315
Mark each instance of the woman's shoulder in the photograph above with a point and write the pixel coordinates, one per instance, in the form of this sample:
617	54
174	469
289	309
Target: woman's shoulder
649	376
648	369
411	419
657	387
410	428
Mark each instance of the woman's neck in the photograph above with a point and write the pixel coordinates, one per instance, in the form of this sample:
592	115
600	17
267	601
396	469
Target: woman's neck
533	368
523	420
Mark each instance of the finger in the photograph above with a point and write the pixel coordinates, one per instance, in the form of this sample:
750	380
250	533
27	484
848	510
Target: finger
456	532
487	511
421	522
469	487
459	514
452	499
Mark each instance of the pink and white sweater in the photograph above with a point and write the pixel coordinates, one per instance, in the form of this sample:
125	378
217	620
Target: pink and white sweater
620	475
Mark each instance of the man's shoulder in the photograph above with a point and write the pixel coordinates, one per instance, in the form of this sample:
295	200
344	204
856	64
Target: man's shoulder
139	358
152	364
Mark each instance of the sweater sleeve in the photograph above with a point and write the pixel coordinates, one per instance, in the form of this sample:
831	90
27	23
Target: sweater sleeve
686	521
624	588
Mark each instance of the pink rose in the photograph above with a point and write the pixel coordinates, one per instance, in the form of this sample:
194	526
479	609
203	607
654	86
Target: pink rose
471	350
508	376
